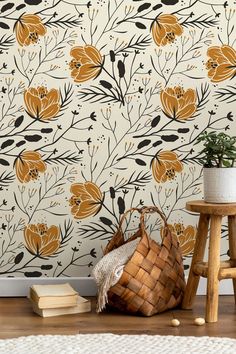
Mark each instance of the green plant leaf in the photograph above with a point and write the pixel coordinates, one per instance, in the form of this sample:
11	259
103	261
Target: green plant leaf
226	163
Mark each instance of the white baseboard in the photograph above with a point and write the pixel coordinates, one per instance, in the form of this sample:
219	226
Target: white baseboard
84	285
20	287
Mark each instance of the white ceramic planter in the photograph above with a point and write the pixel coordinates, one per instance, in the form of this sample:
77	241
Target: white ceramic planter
219	185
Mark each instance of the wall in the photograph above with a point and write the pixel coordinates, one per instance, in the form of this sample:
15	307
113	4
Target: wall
101	106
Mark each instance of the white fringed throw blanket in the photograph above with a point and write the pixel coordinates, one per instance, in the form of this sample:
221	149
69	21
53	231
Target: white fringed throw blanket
109	269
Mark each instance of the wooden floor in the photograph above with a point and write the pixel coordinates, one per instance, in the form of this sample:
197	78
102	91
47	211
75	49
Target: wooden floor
17	319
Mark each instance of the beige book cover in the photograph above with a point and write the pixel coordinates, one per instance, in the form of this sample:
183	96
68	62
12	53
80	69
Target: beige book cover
53	296
83	305
54	290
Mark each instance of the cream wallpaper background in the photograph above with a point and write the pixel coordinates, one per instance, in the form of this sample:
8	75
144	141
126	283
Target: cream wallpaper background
101	104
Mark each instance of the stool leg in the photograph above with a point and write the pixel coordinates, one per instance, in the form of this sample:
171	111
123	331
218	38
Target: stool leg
213	269
232	244
198	254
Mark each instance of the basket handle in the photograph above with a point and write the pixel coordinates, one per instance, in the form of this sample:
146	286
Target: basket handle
139	210
143	211
150	210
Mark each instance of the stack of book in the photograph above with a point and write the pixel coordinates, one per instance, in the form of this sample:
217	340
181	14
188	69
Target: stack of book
56	300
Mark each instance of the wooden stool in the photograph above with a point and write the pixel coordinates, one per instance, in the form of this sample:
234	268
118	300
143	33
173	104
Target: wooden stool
213	270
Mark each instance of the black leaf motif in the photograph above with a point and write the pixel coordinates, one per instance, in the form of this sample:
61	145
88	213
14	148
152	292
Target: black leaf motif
46	130
106	221
140	25
143	143
18	121
46	266
4	25
19	257
7	143
34	274
33	2
225	4
112	56
19	7
169	2
183	130
6	7
169	138
230	117
93	253
156	7
155	121
140	162
20	143
159	142
106	84
121	68
112	193
121	205
33	138
144	6
4	162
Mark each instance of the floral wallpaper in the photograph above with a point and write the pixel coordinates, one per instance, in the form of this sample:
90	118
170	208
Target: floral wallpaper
101	105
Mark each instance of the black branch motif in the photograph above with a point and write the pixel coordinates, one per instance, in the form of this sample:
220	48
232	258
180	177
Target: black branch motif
6	42
140	180
65	158
95	231
66	96
227	94
200	22
6	179
66	232
139	43
96	94
66	21
202	97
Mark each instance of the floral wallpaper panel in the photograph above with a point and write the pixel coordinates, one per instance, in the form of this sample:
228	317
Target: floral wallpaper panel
101	106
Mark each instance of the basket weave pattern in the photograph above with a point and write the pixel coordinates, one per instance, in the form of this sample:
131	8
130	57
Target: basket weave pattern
153	279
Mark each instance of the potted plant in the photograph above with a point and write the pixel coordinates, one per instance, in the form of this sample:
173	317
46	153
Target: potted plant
219	174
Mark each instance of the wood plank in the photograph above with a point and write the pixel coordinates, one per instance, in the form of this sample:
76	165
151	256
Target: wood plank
213	269
226	267
200	269
17	319
227	273
198	254
199	206
232	244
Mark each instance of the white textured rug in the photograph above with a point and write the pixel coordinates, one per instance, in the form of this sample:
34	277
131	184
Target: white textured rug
117	344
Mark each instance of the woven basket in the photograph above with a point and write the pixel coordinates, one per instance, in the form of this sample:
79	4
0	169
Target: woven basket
153	279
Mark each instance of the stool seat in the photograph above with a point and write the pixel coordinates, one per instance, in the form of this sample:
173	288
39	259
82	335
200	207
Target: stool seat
199	206
214	270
